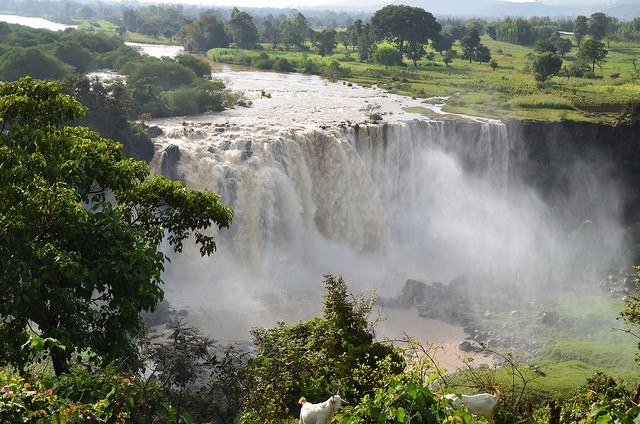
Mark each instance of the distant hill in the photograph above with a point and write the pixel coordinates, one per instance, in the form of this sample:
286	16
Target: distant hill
622	9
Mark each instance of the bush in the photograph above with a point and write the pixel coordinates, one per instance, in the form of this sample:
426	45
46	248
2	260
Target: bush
200	67
262	62
404	400
318	358
603	400
334	71
388	56
283	65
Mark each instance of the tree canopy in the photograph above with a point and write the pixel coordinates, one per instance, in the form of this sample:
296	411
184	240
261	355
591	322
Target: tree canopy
82	226
403	25
546	65
593	51
204	33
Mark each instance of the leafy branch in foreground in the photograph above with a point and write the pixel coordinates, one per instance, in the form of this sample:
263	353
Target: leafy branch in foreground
80	230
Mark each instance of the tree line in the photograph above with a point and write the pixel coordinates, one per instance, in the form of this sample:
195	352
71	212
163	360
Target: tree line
154	87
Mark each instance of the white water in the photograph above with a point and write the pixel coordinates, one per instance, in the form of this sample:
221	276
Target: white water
34	22
416	199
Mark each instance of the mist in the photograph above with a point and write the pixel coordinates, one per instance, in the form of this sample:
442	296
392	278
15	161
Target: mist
380	205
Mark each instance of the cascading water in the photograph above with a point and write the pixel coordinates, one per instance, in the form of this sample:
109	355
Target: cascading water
377	204
412	198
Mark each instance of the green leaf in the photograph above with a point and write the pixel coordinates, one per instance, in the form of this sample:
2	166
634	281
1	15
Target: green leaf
401	415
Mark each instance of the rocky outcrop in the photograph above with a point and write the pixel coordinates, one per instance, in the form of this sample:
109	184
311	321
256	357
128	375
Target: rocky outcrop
550	156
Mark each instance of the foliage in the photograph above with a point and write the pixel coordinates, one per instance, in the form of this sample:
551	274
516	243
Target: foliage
110	107
602	400
204	33
74	54
594	52
471	46
599	24
404	400
18	62
295	31
242	29
200	67
82	226
546	65
334	71
631	311
319	357
402	24
580	28
517	31
631	116
325	41
388	56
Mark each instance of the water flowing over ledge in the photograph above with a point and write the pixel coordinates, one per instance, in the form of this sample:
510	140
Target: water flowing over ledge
377	203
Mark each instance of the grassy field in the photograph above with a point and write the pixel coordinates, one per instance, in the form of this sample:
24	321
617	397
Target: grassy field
509	91
579	336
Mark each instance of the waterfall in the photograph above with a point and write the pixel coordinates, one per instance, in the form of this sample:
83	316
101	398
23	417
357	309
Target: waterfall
376	203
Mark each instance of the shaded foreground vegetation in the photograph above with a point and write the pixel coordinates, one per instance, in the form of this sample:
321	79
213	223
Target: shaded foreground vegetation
190	378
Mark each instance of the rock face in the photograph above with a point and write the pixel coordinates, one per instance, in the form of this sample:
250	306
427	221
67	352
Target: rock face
550	155
458	304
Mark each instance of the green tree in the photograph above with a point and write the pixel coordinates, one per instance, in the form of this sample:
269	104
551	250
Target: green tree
599	26
404	24
200	67
82	225
444	42
448	57
110	107
563	45
131	19
593	51
319	357
546	65
470	44
18	62
270	31
365	42
580	29
415	51
543	46
205	33
482	54
72	53
325	41
242	29
295	31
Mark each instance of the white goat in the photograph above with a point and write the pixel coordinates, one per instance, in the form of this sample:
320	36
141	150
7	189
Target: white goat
319	413
483	404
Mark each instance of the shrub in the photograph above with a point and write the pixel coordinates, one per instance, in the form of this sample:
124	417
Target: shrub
319	357
403	400
263	61
334	71
388	56
283	65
